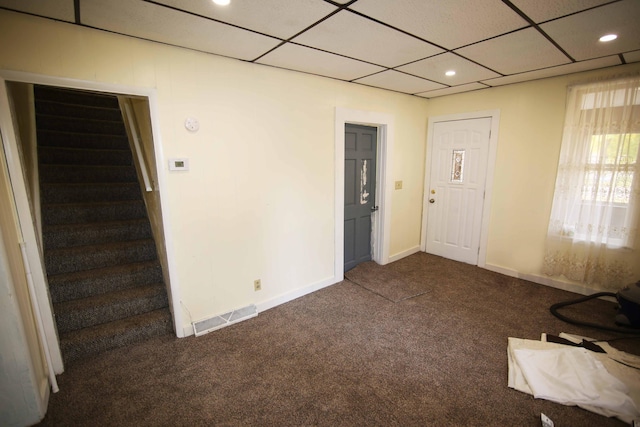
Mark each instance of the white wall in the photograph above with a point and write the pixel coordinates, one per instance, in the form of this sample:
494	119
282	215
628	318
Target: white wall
529	139
258	201
23	376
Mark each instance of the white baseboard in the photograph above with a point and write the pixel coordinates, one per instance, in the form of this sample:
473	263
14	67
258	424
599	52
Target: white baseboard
297	293
553	282
281	299
404	254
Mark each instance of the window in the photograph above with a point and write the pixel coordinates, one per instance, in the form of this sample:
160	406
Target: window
618	154
596	206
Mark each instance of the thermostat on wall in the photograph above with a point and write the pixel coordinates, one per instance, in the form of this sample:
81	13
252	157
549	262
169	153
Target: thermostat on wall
178	164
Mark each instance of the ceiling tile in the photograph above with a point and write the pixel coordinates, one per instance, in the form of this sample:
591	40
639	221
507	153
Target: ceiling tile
544	10
434	68
278	18
630	57
152	22
450	24
517	52
308	60
351	35
400	82
451	90
56	9
556	71
578	34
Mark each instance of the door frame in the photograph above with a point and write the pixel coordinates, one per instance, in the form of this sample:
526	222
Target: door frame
494	115
24	212
382	220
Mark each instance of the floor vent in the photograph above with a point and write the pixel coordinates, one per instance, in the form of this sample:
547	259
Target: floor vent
216	322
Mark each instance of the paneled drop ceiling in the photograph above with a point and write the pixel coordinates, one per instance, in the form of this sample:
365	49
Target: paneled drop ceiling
400	45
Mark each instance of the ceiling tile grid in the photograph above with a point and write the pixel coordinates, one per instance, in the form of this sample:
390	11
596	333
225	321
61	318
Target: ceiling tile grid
435	69
517	52
450	24
278	18
152	22
578	34
452	90
545	10
399	82
354	36
400	45
62	10
300	58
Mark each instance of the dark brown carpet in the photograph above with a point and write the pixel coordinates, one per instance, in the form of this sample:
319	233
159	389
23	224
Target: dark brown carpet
342	356
396	282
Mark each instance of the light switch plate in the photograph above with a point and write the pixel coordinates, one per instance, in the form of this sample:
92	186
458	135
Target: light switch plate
179	164
398	185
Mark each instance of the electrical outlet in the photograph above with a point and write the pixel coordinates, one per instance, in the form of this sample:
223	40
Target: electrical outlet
257	285
398	185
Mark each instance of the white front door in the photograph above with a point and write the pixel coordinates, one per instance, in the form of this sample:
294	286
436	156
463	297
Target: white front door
455	194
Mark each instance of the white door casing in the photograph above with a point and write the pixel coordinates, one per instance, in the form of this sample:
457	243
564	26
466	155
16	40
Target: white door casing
380	233
458	180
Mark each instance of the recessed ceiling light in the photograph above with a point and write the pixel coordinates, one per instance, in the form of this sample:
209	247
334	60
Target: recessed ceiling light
222	2
608	37
450	73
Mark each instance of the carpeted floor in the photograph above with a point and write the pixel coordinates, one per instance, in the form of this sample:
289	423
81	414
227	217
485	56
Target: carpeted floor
342	356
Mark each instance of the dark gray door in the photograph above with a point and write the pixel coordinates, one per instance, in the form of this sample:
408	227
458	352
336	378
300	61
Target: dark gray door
359	192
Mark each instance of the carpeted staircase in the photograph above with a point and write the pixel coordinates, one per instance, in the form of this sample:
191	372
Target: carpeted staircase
104	276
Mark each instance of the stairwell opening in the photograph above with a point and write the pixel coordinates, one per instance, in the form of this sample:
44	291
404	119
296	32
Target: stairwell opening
99	230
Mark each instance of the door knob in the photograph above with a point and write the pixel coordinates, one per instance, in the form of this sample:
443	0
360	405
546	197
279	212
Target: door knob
374	208
432	200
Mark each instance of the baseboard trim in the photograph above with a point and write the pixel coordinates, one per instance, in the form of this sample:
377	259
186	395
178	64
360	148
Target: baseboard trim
295	294
282	299
404	254
553	282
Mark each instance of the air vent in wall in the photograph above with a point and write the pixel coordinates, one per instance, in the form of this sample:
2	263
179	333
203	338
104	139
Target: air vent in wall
204	326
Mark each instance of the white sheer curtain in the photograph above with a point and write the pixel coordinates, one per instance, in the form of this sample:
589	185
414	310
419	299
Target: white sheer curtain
594	223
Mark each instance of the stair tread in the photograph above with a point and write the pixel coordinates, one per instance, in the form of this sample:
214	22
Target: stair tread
97	224
66	165
89	149
86	119
90	184
102	246
58	279
112	329
109	298
85	134
82	226
84	204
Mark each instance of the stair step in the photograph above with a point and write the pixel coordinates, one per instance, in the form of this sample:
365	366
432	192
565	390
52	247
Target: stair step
94	193
69	235
107	336
61	108
49	138
83	284
77	213
67	260
105	280
72	174
80	156
74	96
66	124
109	307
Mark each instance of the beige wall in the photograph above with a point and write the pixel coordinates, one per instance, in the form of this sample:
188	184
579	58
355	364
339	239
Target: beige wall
258	201
530	135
